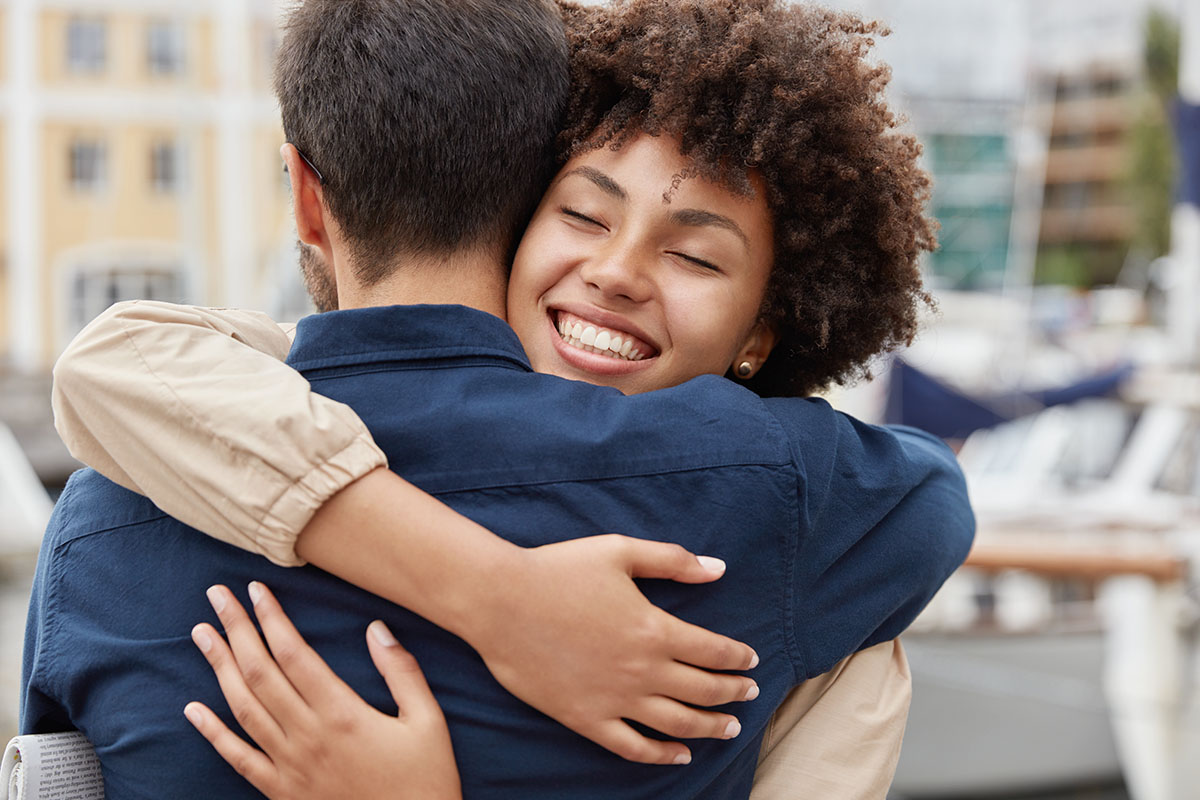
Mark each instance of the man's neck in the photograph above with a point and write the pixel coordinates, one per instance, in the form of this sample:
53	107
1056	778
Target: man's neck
474	279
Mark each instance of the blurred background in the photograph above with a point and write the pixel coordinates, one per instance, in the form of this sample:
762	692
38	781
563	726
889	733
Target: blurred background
139	145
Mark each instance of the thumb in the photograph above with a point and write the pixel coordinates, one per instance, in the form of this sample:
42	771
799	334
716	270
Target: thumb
400	672
672	562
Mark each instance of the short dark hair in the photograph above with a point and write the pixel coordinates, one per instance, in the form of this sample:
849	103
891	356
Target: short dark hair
432	122
789	92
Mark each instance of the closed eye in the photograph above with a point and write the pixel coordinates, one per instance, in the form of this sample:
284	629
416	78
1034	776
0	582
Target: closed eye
700	262
570	212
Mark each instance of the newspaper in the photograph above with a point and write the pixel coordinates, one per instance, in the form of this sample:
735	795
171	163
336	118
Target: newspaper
51	766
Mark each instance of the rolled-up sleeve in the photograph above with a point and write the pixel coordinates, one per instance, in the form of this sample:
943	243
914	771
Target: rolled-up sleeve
194	408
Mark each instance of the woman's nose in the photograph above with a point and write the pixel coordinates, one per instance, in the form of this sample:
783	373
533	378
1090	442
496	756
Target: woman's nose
620	273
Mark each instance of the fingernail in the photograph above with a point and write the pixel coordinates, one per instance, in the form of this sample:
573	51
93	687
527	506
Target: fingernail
216	598
733	729
381	634
751	693
683	758
711	564
202	639
754	660
193	714
255	590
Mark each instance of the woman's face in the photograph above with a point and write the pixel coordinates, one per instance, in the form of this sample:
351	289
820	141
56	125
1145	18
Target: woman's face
614	285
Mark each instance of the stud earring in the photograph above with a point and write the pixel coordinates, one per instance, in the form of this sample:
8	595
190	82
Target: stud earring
744	369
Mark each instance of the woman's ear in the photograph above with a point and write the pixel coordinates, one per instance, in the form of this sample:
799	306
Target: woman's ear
754	351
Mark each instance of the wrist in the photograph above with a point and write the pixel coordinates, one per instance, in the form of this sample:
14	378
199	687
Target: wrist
479	599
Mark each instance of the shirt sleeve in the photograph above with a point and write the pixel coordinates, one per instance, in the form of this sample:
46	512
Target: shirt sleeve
194	408
838	734
885	519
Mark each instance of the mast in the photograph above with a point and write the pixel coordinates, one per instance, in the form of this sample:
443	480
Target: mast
1183	317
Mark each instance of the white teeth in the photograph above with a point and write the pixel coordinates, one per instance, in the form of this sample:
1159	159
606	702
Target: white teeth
602	342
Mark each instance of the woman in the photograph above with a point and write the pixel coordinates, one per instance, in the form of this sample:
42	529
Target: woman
806	220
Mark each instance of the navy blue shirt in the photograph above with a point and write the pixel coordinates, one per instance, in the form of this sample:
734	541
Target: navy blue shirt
836	534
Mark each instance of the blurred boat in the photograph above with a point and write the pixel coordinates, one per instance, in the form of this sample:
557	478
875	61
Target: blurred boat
24	504
1059	656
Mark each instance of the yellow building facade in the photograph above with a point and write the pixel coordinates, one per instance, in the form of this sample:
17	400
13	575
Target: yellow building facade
140	149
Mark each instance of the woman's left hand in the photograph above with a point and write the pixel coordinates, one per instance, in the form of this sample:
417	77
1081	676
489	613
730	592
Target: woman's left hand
319	739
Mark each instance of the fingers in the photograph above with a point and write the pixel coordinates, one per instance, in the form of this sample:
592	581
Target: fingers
675	719
301	665
247	710
256	670
702	648
669	561
248	762
702	688
401	673
618	737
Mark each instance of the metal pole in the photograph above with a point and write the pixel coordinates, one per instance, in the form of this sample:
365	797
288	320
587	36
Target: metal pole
1183	319
23	161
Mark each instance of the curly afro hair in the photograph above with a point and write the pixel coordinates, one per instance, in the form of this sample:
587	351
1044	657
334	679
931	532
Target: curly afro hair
785	91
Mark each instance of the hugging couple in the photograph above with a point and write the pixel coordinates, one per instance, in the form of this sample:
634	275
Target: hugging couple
579	268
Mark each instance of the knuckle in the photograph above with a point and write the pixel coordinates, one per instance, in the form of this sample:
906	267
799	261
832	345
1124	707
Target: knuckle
341	722
244	716
639	751
255	674
726	654
288	654
241	764
684	724
712	692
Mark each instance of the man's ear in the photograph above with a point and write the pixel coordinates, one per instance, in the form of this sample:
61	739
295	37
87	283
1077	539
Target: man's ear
308	201
754	351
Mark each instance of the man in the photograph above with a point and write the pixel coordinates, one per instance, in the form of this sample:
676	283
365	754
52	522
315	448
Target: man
120	583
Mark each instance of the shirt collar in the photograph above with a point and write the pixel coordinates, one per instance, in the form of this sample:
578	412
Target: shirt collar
388	333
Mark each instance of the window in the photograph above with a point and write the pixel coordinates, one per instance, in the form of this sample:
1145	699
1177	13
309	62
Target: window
164	48
87	44
89	165
166	166
94	290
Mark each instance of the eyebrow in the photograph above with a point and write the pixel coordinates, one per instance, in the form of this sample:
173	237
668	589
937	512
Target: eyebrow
689	217
605	183
695	217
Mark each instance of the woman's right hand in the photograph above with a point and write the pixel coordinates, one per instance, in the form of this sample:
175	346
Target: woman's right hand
319	739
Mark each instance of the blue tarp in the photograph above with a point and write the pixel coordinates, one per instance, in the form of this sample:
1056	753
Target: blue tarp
916	398
1187	140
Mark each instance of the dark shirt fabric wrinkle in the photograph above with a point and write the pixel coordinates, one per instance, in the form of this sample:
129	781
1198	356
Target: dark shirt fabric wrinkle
835	534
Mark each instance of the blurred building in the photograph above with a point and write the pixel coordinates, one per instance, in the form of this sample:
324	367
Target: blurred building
140	160
1024	108
1087	215
962	92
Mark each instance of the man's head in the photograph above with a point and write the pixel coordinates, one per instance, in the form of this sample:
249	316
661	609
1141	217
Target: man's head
431	122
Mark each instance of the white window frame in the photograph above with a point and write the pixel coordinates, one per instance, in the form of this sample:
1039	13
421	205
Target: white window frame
166	166
92	290
87	166
166	52
87	44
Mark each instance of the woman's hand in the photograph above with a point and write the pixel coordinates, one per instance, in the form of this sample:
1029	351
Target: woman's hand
319	739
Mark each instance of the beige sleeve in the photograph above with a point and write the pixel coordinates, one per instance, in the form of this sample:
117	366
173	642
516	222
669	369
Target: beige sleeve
838	734
194	408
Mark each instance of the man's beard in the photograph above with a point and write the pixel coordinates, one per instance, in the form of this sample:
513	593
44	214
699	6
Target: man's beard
318	278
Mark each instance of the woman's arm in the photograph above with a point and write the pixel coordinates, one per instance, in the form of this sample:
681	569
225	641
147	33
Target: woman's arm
165	400
319	739
171	401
